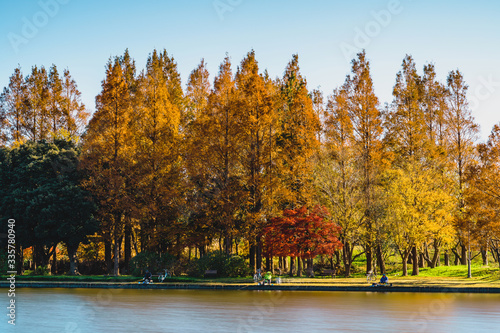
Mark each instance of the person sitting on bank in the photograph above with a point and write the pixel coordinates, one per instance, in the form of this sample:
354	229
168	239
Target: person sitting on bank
384	279
148	277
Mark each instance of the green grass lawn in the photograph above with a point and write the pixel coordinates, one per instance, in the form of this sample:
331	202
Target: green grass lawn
90	278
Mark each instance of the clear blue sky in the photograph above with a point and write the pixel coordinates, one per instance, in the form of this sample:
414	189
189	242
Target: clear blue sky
82	34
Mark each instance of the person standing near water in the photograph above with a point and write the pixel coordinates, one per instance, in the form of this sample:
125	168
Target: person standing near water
268	277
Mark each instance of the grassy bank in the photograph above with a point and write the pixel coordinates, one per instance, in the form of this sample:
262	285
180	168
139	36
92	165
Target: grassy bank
444	276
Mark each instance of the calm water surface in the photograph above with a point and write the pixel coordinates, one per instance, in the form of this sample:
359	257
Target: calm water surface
93	310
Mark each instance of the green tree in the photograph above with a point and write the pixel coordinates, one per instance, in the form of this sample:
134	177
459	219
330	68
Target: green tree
41	190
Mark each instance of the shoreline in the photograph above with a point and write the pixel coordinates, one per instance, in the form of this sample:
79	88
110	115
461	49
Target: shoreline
253	287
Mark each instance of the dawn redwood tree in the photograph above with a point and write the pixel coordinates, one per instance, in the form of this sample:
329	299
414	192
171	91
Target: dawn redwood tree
255	116
482	196
296	137
366	119
462	134
433	102
107	154
212	157
40	105
155	134
336	177
13	108
73	112
406	138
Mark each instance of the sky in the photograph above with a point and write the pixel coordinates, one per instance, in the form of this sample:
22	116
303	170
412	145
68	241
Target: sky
81	35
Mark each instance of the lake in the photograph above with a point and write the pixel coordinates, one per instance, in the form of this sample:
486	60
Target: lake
122	310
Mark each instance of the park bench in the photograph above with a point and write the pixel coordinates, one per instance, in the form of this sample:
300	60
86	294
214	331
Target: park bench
327	272
212	273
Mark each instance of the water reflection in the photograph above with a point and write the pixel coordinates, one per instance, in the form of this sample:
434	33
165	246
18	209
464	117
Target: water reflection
108	310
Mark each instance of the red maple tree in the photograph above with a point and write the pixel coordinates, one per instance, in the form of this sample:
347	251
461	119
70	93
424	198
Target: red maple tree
301	233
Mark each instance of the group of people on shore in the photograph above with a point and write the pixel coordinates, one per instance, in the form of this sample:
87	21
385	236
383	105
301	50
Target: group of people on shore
148	278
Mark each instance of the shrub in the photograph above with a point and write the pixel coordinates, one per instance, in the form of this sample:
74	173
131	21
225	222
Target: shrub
226	265
154	262
236	266
41	270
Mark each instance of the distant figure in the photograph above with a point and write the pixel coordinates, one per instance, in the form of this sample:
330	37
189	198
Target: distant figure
384	279
147	277
257	277
268	277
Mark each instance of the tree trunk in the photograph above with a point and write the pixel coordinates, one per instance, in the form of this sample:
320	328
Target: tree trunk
498	256
484	256
299	267
73	269
201	251
228	245
463	256
446	258
347	258
494	254
369	259
54	261
35	256
310	267
405	256
258	253
380	260
107	256
252	258
337	258
19	268
128	246
116	259
414	260
421	260
435	258
291	266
